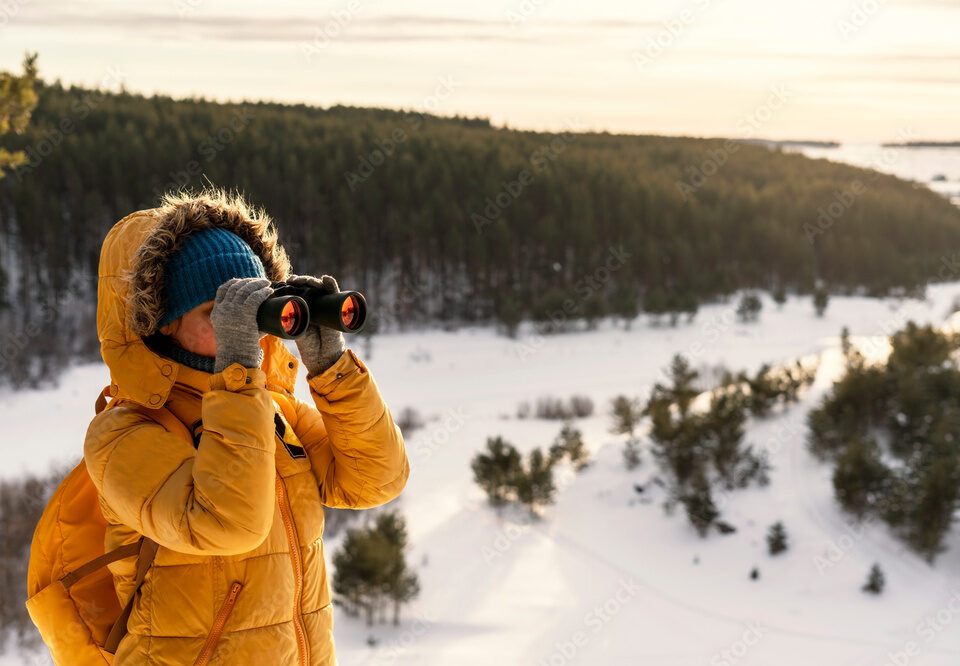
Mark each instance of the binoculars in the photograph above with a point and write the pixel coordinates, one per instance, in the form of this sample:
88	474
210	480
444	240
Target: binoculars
291	309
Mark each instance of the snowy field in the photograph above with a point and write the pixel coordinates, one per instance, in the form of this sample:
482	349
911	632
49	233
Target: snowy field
603	577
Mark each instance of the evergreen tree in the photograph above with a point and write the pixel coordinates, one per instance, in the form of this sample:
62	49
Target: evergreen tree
498	470
682	388
631	454
698	502
724	430
875	580
859	477
569	443
370	569
777	538
845	345
749	308
536	485
17	101
933	507
361	569
779	295
765	389
626	416
820	300
401	584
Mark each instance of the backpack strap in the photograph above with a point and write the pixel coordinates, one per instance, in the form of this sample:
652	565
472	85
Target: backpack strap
102	399
148	550
145	549
119	553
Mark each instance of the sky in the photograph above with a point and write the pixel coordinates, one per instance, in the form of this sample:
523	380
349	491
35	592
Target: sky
851	71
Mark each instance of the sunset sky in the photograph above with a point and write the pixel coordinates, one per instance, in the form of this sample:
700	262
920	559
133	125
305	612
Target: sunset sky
868	70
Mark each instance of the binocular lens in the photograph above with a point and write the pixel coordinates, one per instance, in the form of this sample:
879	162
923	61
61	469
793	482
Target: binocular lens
283	316
291	317
291	309
350	311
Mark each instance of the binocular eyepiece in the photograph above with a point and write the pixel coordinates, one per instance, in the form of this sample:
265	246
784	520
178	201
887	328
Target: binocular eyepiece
291	309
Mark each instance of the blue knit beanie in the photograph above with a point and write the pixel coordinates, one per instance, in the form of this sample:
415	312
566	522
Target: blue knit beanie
207	259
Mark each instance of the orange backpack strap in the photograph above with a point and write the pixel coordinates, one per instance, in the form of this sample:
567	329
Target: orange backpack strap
102	399
116	554
144	548
148	550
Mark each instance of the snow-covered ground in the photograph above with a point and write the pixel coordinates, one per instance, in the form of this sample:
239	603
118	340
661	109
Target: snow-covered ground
605	577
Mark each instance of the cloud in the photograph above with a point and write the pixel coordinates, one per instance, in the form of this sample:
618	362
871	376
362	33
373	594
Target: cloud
355	28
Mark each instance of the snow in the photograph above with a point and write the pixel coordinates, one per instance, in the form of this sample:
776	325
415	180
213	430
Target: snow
605	576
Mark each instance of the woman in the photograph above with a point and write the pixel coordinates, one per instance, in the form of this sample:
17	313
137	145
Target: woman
239	576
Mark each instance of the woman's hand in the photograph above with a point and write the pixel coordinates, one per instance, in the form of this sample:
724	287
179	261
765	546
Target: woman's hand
320	347
234	320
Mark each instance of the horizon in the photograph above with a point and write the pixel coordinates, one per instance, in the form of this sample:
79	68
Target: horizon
868	71
495	126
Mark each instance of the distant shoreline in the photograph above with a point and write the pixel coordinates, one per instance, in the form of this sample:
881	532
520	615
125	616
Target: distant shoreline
922	144
793	143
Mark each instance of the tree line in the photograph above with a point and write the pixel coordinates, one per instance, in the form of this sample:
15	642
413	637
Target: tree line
448	220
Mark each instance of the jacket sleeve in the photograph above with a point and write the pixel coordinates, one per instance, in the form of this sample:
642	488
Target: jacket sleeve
356	450
215	500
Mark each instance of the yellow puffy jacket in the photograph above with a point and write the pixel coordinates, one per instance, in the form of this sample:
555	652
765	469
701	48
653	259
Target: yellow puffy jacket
239	576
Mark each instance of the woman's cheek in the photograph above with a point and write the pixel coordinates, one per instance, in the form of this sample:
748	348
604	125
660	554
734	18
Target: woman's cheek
210	341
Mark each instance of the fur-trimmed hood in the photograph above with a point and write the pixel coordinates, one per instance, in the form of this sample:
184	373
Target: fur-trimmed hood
132	278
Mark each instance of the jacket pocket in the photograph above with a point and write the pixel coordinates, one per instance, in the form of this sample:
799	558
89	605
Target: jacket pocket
218	623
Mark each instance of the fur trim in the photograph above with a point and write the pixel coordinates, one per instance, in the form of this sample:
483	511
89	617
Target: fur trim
180	214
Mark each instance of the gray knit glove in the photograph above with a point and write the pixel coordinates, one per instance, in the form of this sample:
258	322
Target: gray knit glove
320	347
234	319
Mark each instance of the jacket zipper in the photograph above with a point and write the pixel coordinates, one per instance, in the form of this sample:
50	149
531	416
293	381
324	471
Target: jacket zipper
297	569
218	623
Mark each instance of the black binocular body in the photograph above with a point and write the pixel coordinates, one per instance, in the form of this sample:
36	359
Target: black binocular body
291	309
